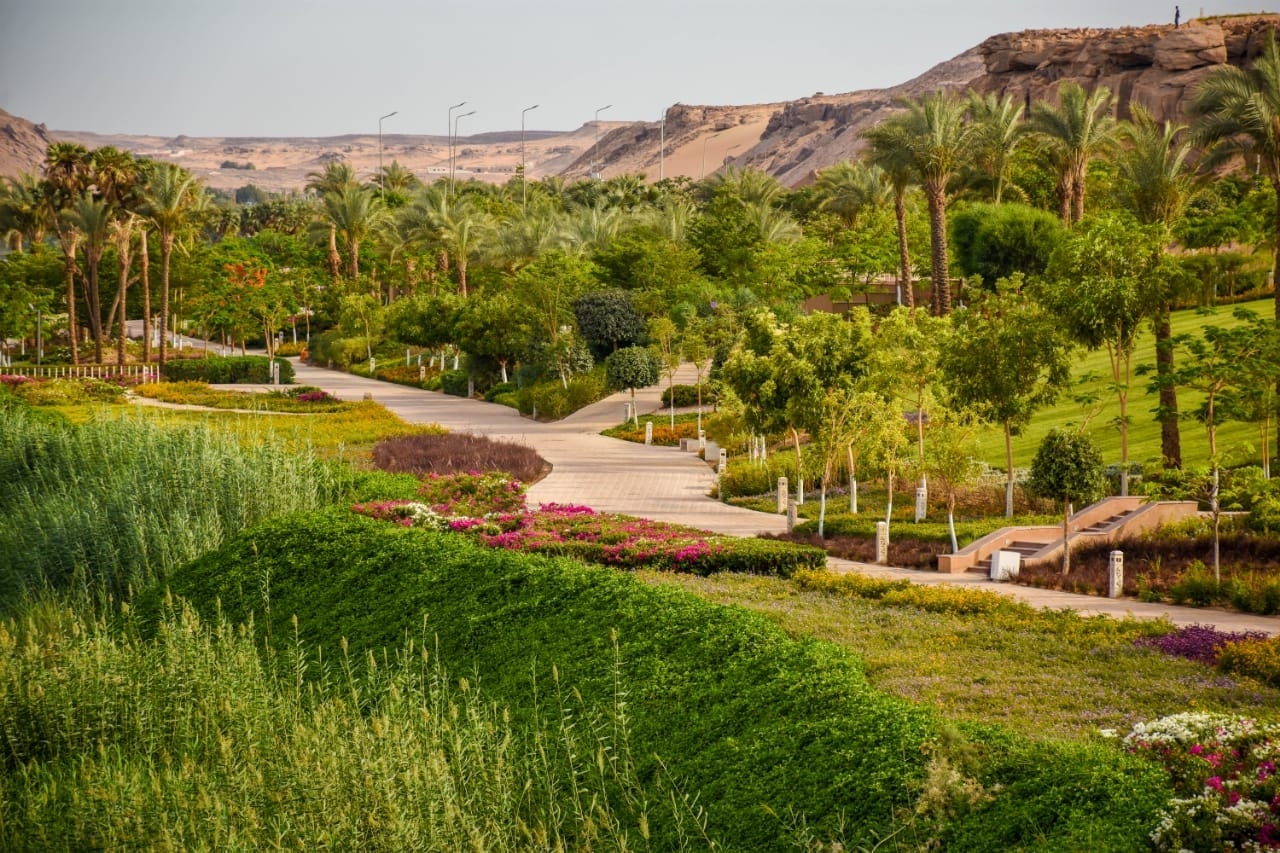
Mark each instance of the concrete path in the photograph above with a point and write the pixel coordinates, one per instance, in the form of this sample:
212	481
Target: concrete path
666	484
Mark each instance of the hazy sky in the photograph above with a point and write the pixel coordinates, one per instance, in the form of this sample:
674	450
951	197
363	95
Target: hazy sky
325	67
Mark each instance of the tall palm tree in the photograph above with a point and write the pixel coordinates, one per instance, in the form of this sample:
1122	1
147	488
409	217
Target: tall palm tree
522	238
773	225
1000	133
66	177
1074	132
354	212
122	229
890	150
1238	113
850	188
938	139
168	198
92	218
1156	183
461	228
395	178
334	177
594	227
748	185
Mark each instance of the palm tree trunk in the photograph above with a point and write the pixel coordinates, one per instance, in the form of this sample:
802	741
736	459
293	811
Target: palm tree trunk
166	249
355	260
93	302
1008	456
462	275
335	262
904	256
145	259
1064	197
1077	194
938	246
1275	282
70	265
126	266
1170	437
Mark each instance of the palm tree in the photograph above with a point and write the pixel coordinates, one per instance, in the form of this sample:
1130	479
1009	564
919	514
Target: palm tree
591	228
24	213
1156	184
890	150
1238	112
354	212
335	177
1074	132
92	218
671	219
168	198
1000	134
748	185
396	179
122	229
937	136
66	177
460	228
522	238
773	225
849	188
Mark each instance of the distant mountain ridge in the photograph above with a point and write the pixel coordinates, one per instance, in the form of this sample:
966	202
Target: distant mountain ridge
1157	66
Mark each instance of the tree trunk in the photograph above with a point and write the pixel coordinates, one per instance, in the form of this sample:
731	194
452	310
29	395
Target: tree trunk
951	521
904	256
1066	546
822	509
1008	483
354	248
1064	196
1275	282
126	266
462	275
69	244
795	438
166	249
938	248
335	262
1077	193
145	260
1170	437
93	299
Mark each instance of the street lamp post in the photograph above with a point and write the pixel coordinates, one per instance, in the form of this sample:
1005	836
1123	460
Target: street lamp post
524	179
448	127
39	333
596	149
381	177
456	119
662	143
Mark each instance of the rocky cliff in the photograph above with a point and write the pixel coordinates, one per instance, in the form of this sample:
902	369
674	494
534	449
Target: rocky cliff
22	144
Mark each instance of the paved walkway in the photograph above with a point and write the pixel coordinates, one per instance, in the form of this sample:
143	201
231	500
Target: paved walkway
666	484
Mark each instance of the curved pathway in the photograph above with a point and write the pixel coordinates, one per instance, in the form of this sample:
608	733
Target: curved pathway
666	484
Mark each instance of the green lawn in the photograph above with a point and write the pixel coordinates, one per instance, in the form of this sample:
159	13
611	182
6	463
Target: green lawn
1238	440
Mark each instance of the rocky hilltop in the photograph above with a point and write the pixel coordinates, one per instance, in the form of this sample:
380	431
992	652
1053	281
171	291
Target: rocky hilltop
1157	66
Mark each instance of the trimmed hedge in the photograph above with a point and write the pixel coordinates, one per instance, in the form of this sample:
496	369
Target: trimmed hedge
687	395
229	370
454	382
765	730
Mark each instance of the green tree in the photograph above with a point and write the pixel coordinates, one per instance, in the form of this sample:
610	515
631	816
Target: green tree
66	179
495	326
607	320
91	218
335	177
1074	132
1100	286
666	341
952	459
850	188
996	241
630	368
1006	359
890	149
1067	468
354	212
999	135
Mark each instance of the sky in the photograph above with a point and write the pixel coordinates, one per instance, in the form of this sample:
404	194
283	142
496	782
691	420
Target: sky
329	67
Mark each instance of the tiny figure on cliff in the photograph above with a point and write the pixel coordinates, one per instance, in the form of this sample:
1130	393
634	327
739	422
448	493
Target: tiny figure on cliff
1177	16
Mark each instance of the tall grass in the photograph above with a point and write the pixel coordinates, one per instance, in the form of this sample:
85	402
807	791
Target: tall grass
116	503
194	740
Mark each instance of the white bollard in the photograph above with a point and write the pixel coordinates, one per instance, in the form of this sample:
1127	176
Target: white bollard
882	542
922	503
702	439
723	463
408	359
373	365
422	372
791	516
648	432
782	495
1115	574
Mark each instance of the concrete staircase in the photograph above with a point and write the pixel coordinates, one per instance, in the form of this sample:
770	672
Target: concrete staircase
1106	520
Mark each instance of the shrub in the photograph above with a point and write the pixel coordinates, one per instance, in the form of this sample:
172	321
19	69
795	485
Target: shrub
1200	643
552	400
68	392
1256	657
458	453
500	388
290	349
229	370
511	400
782	727
1197	587
455	383
687	395
331	348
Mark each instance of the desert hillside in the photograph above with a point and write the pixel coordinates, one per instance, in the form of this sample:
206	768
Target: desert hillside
1156	66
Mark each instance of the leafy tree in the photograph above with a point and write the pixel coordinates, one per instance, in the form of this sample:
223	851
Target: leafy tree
66	178
548	287
996	241
666	341
630	368
1100	286
952	459
495	326
607	320
849	188
1067	468
91	218
890	149
1074	132
354	212
334	178
363	315
29	282
24	211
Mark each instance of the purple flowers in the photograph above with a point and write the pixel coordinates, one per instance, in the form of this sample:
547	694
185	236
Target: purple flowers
1200	643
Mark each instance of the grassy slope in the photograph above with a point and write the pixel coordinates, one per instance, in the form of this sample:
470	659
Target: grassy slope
1144	431
742	714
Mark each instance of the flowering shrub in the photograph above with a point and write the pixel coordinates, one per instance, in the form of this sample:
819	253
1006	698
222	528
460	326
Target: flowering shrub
1200	643
310	394
663	434
1224	771
1257	657
491	507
